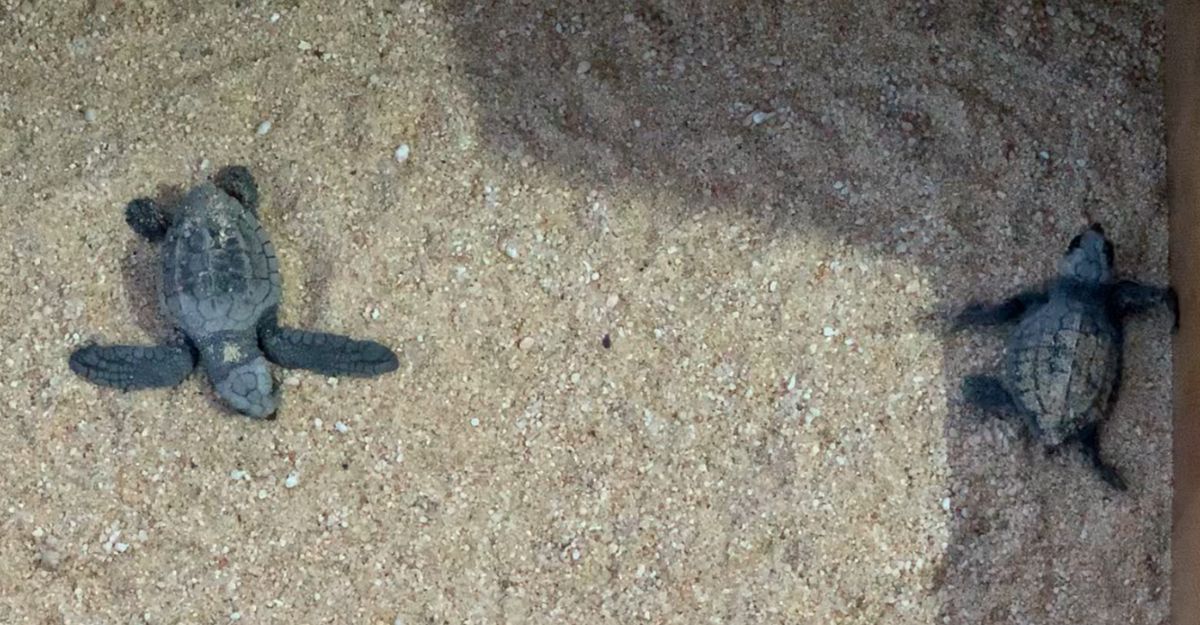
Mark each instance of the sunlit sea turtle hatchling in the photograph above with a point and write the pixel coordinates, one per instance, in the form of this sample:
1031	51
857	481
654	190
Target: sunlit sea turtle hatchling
1062	368
221	289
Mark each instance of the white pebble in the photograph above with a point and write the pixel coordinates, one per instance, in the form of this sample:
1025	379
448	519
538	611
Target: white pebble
274	18
292	481
89	115
526	344
238	475
121	547
829	331
264	127
1044	155
402	152
304	46
474	422
341	427
774	286
946	504
318	423
262	494
583	68
613	300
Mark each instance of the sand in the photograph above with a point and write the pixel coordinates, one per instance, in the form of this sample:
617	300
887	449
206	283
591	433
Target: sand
764	207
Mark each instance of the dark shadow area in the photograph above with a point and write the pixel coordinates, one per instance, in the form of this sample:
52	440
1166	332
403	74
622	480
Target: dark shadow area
968	139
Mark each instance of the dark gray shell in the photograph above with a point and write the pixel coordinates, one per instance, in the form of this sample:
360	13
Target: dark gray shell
220	273
1062	364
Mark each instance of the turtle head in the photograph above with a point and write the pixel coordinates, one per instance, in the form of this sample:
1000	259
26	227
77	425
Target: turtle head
1089	258
240	375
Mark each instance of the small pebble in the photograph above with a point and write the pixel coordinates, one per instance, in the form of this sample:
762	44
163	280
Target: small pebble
318	423
1044	155
474	422
274	17
262	494
292	481
292	380
526	344
238	475
613	300
606	342
829	331
304	46
89	115
264	127
759	117
402	152
774	286
341	427
583	68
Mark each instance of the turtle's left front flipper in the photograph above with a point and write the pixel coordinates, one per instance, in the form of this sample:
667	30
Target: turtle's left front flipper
327	354
1132	298
130	367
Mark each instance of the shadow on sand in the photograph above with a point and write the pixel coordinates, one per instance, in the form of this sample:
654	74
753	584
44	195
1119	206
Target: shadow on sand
957	137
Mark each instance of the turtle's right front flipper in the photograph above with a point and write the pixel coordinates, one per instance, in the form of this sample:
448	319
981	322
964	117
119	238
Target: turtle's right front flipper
327	354
129	367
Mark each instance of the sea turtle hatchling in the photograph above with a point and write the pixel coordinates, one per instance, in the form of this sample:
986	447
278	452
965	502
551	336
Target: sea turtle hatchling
221	289
1063	361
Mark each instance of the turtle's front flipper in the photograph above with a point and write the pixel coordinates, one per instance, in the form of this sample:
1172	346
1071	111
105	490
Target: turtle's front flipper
327	354
147	219
996	314
986	392
239	184
1132	297
1089	439
129	367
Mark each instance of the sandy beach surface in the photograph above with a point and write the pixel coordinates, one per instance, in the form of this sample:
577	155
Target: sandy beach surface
664	277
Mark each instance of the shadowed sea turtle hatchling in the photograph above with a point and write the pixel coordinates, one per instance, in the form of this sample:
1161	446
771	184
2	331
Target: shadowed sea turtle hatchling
221	289
1062	369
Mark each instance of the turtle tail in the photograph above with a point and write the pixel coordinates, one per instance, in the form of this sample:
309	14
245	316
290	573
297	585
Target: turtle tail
986	392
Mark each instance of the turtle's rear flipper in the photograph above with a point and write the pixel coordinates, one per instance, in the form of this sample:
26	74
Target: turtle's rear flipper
327	354
986	392
129	367
147	219
238	183
1089	439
